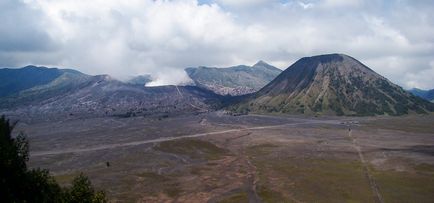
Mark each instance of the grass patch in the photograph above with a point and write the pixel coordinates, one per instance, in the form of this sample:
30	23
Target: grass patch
406	186
261	149
327	180
193	148
308	179
156	183
66	179
428	168
237	197
269	196
416	124
152	177
198	170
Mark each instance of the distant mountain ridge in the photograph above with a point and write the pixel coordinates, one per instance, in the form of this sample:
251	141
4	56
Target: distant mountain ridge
14	80
235	80
425	94
140	80
333	84
70	93
31	84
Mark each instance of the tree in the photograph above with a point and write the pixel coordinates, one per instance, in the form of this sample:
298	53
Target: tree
19	184
13	157
82	191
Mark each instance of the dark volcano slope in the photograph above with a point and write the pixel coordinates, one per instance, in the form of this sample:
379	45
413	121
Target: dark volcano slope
104	96
333	84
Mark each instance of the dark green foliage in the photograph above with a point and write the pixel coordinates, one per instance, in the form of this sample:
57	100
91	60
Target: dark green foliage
387	109
365	109
317	106
12	160
337	108
82	191
39	186
19	184
401	109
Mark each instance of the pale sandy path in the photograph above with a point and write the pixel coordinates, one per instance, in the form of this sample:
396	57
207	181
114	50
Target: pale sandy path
372	183
163	139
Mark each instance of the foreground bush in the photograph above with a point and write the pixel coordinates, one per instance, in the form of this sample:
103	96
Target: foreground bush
19	184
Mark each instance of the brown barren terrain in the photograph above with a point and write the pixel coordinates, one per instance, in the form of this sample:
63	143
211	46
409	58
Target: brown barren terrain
215	157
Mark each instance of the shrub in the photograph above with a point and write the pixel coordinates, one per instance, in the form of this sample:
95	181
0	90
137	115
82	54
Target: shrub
19	184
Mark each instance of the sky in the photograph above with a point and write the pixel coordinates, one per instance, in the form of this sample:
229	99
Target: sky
162	37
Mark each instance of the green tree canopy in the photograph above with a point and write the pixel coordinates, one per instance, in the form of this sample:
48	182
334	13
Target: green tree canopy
19	184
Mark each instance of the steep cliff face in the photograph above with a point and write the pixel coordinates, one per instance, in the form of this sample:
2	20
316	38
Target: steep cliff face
334	84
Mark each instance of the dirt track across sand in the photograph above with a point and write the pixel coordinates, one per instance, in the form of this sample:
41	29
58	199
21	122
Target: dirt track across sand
372	183
112	146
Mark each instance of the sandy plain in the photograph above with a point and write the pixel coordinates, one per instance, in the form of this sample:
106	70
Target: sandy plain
214	157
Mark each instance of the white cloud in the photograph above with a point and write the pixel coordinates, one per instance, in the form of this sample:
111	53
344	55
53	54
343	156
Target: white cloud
161	37
421	79
342	3
305	5
244	3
